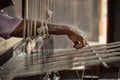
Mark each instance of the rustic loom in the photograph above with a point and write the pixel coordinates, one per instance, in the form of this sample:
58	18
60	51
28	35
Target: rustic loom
40	58
22	65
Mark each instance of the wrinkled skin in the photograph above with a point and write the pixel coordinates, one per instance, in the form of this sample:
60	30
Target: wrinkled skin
78	41
53	29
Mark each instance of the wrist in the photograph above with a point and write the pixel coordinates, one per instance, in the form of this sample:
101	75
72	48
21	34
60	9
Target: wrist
59	30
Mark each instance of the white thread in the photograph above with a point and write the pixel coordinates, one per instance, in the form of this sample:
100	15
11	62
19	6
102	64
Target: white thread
78	74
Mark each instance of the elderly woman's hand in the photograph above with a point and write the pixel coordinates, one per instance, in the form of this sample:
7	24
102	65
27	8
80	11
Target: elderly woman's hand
77	37
73	33
78	41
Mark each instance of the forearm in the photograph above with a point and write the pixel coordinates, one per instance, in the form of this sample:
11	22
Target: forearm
59	29
52	29
74	34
